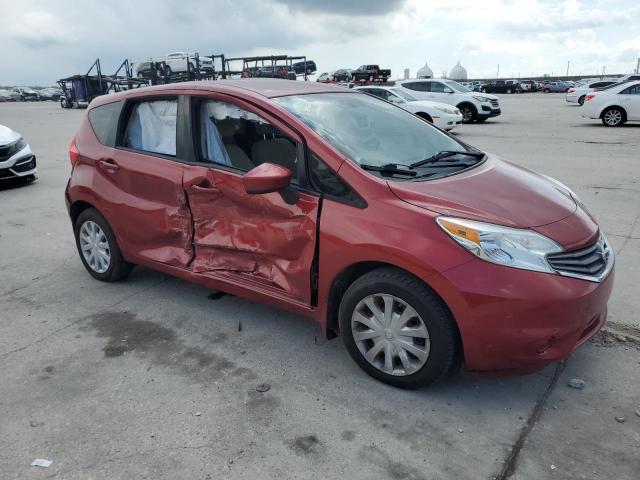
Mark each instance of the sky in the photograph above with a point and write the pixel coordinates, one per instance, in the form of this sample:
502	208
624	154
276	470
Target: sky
43	40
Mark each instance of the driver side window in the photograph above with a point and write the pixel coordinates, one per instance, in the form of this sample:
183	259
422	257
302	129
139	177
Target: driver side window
437	87
233	136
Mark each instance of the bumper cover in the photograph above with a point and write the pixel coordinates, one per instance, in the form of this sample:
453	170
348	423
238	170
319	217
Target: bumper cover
517	321
488	112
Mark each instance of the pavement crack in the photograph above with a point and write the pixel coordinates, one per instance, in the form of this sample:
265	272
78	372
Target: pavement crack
628	237
510	463
78	320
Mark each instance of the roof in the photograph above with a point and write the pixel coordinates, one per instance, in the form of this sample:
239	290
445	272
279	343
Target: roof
260	87
275	87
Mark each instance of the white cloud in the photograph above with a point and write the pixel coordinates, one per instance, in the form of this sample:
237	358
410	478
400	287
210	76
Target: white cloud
44	40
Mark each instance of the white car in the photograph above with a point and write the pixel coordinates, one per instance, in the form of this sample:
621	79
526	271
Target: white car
475	107
442	115
614	106
183	62
578	93
16	158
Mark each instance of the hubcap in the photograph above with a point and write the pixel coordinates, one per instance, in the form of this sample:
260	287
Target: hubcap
613	117
95	247
466	114
390	334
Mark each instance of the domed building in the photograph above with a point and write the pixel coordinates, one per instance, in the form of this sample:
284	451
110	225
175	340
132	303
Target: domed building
425	72
458	72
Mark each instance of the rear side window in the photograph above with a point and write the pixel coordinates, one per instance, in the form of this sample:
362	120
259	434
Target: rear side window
104	122
417	86
152	127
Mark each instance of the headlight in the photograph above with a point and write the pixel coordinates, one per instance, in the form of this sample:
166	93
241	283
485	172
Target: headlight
450	111
481	99
511	247
562	186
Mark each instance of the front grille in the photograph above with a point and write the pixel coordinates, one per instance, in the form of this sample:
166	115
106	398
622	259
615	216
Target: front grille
591	261
495	104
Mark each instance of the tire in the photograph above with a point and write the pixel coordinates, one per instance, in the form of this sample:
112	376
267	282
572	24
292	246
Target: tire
469	113
117	267
428	315
509	90
546	90
581	100
167	70
613	117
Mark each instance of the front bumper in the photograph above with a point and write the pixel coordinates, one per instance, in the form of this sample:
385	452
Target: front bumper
488	111
518	321
20	164
448	121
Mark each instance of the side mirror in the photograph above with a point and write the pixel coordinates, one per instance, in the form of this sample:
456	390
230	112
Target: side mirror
448	90
266	178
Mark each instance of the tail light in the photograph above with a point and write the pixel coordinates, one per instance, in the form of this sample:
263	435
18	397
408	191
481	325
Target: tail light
73	152
588	97
571	90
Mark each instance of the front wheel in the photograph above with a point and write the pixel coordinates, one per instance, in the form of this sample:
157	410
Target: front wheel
98	248
469	114
397	330
613	117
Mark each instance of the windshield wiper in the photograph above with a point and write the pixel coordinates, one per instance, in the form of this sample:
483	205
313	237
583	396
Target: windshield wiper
444	154
391	168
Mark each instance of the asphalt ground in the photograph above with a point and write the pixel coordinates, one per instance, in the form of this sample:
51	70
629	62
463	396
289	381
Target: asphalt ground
150	378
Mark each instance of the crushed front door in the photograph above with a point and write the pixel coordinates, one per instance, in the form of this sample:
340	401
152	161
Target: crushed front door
260	238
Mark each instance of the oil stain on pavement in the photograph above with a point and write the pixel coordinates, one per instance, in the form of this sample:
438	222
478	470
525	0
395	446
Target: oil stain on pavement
125	334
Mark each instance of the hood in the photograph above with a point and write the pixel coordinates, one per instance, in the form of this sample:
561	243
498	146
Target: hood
7	135
496	192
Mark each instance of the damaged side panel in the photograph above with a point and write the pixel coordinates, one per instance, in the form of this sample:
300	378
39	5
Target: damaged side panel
150	208
257	236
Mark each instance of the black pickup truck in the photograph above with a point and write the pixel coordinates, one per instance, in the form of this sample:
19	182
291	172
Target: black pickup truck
370	73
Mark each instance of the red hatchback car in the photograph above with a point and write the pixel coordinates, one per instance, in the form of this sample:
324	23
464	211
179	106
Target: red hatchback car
422	251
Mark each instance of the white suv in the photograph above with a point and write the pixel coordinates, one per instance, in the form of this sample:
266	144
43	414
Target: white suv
184	62
475	107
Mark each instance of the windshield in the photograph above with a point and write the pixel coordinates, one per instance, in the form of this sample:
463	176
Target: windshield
456	86
405	95
367	130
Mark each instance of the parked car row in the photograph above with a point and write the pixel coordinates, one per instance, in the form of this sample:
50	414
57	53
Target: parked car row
615	104
27	94
364	73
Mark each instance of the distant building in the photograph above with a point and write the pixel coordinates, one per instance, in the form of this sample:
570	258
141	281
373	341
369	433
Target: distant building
406	73
425	72
458	72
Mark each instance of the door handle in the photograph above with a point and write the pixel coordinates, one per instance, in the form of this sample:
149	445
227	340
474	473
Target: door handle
201	189
108	164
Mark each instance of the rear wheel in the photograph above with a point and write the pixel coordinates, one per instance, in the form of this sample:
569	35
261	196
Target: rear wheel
397	330
613	117
509	90
546	90
581	100
98	248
